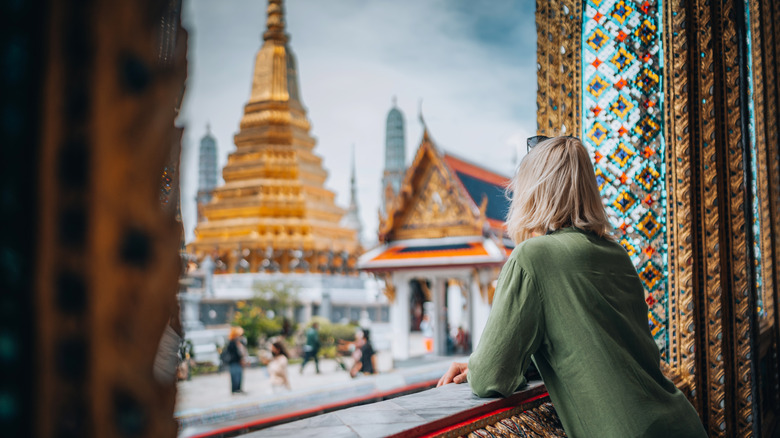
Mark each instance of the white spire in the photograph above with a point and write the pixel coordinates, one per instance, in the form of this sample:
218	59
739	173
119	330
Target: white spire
352	218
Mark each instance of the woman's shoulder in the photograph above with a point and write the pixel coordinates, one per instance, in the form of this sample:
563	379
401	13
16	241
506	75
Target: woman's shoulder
533	249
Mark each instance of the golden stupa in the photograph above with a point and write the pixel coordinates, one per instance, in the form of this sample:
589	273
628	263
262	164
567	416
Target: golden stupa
273	213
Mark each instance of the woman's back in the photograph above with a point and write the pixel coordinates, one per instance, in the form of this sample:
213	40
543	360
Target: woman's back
572	299
580	308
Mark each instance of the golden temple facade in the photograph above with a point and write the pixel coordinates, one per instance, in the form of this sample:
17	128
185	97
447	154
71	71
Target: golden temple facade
273	212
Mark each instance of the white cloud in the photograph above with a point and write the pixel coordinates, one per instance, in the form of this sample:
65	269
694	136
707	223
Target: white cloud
479	97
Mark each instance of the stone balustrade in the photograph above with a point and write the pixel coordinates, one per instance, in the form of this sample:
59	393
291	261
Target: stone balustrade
449	411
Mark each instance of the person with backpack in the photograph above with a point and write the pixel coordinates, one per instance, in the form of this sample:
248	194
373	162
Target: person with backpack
234	357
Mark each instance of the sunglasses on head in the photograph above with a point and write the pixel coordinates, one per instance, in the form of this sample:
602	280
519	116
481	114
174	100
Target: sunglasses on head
535	140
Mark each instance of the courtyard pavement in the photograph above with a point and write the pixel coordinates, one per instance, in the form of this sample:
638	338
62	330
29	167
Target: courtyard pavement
205	402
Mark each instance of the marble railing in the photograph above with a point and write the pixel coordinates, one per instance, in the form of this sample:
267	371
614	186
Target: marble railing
449	411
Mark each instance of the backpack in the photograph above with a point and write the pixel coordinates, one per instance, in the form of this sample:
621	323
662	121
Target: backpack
227	355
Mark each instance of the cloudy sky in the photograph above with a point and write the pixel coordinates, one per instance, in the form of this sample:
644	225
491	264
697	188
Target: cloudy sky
472	62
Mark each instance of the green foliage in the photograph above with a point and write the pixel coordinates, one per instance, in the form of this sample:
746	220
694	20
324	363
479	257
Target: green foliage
328	352
261	317
275	296
203	368
331	334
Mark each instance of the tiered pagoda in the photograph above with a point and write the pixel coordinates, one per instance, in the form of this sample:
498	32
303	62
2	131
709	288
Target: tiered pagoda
273	213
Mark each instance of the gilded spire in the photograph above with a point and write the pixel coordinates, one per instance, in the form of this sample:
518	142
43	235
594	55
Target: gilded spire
274	193
352	218
275	22
426	137
275	76
353	181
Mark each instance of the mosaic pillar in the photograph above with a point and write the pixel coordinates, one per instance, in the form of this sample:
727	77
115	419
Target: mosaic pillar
622	128
679	113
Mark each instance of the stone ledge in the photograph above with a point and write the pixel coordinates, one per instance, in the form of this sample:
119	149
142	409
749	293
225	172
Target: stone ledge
449	410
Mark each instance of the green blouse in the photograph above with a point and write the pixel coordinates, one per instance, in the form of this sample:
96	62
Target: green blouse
574	302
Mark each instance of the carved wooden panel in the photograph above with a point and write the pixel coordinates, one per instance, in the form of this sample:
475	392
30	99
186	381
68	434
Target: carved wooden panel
108	258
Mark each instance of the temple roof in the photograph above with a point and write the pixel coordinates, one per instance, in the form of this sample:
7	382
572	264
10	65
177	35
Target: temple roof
481	183
432	253
476	191
449	212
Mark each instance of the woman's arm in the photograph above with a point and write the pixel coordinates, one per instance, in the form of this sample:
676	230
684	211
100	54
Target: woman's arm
513	332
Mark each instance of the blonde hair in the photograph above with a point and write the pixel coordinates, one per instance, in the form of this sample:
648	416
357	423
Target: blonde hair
555	187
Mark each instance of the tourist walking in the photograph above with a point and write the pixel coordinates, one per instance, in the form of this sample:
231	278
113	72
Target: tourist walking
277	368
312	347
570	296
365	358
235	358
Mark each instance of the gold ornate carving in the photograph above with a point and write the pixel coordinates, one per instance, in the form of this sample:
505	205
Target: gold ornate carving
769	16
682	335
425	289
542	85
762	183
559	25
281	117
769	81
389	289
541	421
435	208
475	279
734	174
429	204
709	214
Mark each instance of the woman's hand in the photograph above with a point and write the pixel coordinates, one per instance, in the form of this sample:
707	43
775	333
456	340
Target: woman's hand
456	374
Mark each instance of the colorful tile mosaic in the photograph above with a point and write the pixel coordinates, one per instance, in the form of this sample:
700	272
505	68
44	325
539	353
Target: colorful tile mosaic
166	185
756	210
622	95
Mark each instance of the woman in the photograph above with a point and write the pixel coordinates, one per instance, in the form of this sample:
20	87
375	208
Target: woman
277	368
365	358
570	297
235	358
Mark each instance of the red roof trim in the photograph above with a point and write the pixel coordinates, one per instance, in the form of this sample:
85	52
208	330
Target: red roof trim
460	165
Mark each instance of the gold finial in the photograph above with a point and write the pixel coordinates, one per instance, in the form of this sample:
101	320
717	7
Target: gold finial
424	125
275	22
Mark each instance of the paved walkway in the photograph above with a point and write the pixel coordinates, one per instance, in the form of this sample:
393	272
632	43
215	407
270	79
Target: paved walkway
213	390
206	403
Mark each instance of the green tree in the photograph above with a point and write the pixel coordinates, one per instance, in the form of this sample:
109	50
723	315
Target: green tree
263	315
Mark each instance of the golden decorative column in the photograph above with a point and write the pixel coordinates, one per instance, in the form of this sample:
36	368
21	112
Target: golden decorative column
718	119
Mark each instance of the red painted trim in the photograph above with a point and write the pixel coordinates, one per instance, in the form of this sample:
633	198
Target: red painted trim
463	418
475	249
463	423
424	266
269	421
475	170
